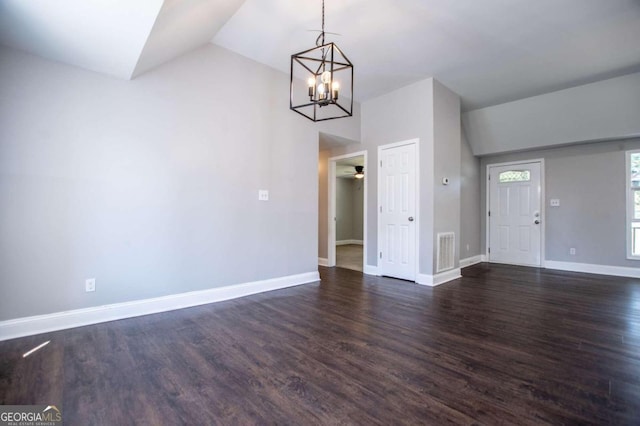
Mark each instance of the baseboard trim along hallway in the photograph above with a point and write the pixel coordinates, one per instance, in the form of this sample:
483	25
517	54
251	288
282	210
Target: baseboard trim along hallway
28	326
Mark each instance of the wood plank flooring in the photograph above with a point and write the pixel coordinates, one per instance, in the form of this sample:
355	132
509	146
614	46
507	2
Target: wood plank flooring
349	256
502	345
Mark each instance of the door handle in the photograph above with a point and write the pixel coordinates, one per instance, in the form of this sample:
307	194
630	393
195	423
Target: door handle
410	218
537	222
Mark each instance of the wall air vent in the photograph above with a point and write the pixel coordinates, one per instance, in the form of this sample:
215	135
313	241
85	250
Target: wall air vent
446	251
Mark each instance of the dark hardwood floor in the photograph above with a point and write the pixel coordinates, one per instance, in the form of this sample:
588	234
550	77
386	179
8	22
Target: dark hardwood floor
502	345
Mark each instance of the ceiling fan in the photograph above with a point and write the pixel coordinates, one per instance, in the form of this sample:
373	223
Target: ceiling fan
359	172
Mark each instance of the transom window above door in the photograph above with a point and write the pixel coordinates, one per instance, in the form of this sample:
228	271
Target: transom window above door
514	176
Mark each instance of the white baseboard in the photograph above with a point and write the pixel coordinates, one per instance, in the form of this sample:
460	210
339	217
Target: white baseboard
619	271
28	326
371	270
470	261
423	279
437	279
346	242
484	258
323	261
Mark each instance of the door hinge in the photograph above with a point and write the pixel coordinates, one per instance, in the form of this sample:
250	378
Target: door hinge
489	212
380	163
380	209
489	249
380	255
489	177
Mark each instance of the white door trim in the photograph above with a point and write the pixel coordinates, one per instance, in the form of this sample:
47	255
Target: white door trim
542	205
331	238
415	142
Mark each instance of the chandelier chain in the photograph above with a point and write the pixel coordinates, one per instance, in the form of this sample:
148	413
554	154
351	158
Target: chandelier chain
322	21
320	39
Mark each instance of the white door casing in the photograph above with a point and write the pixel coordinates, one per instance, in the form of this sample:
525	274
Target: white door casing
515	213
397	210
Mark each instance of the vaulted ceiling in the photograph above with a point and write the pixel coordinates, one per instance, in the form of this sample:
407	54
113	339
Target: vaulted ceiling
121	38
488	51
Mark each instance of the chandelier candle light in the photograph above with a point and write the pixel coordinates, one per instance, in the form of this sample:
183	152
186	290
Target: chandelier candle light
323	98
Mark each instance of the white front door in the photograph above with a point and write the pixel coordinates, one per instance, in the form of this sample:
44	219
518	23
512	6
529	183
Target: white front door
397	210
515	214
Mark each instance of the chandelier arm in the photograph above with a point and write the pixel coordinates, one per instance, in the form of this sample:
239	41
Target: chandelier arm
342	108
303	65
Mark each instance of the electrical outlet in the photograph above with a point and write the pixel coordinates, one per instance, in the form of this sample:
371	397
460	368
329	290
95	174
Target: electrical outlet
90	285
263	195
467	247
554	202
572	251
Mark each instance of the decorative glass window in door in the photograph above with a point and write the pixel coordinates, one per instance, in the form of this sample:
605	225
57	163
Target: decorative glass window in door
514	176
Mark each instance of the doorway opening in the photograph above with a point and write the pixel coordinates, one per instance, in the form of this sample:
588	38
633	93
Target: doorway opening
347	211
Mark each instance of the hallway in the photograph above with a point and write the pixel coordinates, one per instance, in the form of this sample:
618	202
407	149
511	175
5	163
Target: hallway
349	256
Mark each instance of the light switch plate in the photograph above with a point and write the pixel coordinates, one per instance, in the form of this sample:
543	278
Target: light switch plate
263	195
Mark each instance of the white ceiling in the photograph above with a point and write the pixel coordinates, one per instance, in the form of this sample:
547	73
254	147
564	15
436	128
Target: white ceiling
488	51
121	38
181	26
104	36
345	168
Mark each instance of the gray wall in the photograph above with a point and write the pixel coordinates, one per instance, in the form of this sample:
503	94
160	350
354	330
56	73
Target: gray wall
406	113
470	213
446	164
349	209
409	113
605	110
589	180
150	185
344	209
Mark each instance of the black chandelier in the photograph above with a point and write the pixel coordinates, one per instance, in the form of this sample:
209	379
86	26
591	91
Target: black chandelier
328	92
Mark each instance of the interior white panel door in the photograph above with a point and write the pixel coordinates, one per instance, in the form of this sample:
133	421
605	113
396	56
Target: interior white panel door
397	210
515	214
